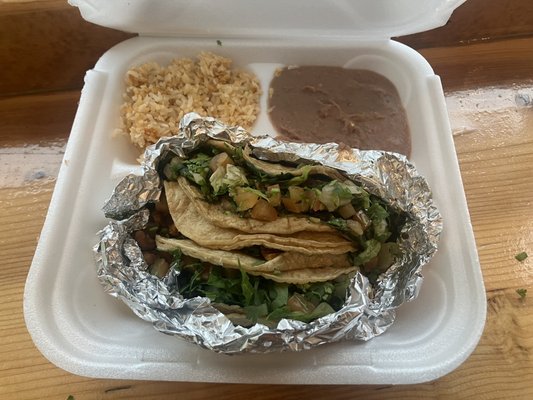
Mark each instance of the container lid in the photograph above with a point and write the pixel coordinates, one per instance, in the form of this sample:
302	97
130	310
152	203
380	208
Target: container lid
359	19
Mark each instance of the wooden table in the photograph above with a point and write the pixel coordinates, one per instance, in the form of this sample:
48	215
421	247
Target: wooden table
485	59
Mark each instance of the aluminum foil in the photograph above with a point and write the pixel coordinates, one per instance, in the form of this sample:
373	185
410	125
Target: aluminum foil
368	310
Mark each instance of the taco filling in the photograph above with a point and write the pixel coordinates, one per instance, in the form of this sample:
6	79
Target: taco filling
265	241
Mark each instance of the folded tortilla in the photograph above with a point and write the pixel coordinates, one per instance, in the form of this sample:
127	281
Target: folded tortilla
286	267
274	169
196	226
283	225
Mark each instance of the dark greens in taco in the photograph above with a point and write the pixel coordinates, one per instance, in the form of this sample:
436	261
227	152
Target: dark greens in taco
262	240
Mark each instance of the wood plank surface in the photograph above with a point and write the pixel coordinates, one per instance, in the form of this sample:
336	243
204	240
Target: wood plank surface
494	63
489	92
47	46
478	21
37	118
40	38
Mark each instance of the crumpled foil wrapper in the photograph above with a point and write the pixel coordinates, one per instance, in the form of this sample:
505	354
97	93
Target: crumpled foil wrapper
368	310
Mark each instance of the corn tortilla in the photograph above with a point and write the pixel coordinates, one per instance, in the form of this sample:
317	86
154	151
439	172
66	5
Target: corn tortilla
192	224
285	268
282	225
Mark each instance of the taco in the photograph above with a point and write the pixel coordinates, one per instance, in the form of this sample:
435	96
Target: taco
262	240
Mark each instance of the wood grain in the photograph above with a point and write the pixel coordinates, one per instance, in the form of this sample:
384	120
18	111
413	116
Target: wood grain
493	134
48	47
37	118
478	21
483	64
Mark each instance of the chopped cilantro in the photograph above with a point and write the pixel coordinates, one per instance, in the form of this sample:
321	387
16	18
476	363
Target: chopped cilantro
195	169
339	223
176	259
522	293
320	291
261	298
279	294
219	42
319	311
247	288
253	313
521	256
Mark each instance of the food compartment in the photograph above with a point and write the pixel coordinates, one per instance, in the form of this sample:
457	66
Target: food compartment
387	60
90	333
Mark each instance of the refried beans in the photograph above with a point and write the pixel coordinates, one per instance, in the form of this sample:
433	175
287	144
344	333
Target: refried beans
322	104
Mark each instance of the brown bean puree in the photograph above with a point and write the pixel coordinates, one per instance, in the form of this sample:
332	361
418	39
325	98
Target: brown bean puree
322	104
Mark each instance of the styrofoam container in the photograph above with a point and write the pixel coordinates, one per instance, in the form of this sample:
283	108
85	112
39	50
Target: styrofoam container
87	332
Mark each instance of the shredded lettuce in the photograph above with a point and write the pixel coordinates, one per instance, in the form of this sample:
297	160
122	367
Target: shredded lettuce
361	198
335	194
371	250
217	181
379	215
225	179
298	180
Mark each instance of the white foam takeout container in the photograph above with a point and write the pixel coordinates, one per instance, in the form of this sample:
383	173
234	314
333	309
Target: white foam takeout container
85	331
